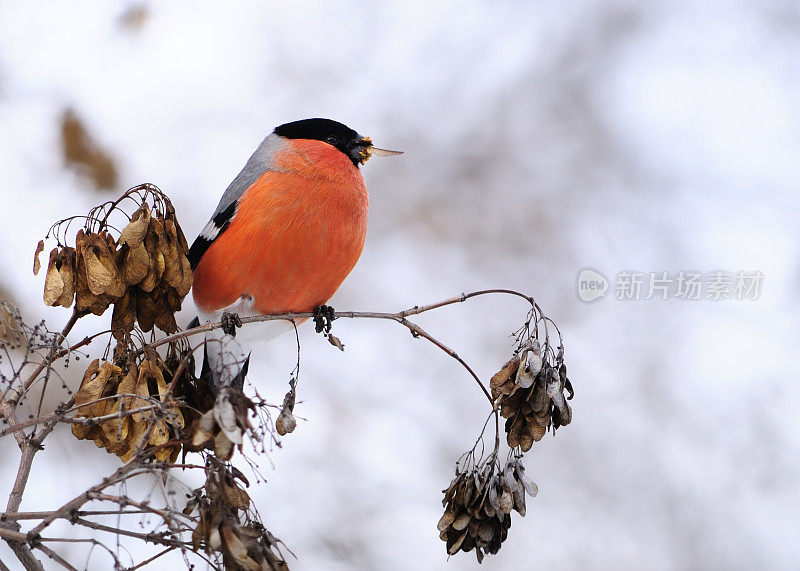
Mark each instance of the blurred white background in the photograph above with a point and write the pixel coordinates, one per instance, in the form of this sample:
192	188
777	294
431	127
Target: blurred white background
541	138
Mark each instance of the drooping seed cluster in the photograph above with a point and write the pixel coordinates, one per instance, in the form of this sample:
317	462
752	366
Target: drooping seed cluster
224	426
109	391
145	273
529	391
478	505
225	524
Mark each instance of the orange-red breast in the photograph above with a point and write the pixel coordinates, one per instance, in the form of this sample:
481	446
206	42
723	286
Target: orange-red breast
289	228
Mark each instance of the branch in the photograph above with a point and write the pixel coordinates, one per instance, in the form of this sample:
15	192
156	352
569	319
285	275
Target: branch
399	317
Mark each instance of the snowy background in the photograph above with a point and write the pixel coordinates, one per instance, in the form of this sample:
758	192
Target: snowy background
541	138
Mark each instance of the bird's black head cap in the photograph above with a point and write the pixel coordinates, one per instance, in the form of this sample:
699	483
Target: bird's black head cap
328	131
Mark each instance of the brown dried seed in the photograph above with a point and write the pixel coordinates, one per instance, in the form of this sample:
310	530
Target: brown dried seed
148	374
146	311
447	518
124	316
160	434
205	428
67	273
514	427
461	521
101	268
152	240
173	270
37	265
285	423
97	383
237	550
134	262
472	528
529	435
525	378
236	497
504	374
85	432
494	498
164	317
115	431
486	531
53	282
506	502
188	277
534	363
468	544
128	385
164	454
133	234
223	447
456	545
136	434
85	299
519	500
172	299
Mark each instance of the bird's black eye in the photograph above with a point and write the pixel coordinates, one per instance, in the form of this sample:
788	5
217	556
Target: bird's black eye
332	140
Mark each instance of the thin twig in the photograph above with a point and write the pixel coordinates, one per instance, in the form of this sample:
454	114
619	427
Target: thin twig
55	557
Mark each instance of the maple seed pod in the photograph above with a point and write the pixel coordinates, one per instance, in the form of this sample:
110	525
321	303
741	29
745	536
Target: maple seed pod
37	265
285	423
133	234
53	283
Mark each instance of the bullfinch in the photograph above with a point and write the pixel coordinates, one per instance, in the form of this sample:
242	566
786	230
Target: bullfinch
286	233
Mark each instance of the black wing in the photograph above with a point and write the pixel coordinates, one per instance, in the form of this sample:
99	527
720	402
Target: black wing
211	232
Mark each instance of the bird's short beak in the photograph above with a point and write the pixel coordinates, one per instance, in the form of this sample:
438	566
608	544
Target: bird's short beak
365	150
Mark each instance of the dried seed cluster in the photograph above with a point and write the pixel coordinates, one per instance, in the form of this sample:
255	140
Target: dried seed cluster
145	273
478	506
225	526
529	391
108	390
226	423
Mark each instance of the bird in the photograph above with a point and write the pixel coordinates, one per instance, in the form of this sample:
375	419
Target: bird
286	233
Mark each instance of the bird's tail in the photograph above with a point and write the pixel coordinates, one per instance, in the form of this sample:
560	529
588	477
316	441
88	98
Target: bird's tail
225	361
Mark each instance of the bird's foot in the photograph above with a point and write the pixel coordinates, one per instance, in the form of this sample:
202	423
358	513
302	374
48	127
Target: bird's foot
230	321
323	316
